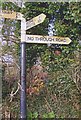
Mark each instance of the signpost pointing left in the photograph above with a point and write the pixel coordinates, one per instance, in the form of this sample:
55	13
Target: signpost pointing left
8	14
11	15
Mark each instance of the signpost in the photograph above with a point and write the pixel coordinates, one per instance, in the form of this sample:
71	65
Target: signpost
35	21
30	39
8	14
46	39
11	15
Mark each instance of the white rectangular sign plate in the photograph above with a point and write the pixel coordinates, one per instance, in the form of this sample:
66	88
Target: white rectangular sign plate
8	14
46	39
11	15
35	21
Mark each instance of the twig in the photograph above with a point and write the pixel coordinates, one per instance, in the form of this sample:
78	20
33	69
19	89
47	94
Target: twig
48	104
14	93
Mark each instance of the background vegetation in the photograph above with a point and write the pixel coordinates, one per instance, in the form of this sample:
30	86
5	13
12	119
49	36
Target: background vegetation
54	85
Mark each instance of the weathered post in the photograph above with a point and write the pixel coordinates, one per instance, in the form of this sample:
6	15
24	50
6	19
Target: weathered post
23	112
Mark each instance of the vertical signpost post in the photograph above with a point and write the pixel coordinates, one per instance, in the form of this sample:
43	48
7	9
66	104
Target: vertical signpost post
23	81
25	26
23	111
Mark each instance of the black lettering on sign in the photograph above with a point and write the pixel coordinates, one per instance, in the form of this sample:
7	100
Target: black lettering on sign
39	19
59	40
49	39
53	39
30	23
41	38
45	39
30	38
37	38
64	40
7	11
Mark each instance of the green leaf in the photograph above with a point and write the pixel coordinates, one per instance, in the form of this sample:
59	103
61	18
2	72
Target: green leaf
35	115
45	115
51	115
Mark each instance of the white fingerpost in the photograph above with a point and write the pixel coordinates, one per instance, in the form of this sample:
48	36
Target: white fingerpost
23	106
23	29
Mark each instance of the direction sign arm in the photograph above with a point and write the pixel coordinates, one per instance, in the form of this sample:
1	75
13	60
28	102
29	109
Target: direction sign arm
35	21
47	39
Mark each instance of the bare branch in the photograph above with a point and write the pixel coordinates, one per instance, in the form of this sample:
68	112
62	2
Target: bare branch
12	94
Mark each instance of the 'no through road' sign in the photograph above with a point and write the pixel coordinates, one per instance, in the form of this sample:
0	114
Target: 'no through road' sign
46	39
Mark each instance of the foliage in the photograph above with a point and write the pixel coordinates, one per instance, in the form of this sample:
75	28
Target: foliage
60	94
36	115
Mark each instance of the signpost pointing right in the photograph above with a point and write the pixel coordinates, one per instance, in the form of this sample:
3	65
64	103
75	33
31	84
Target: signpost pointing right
35	21
46	39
